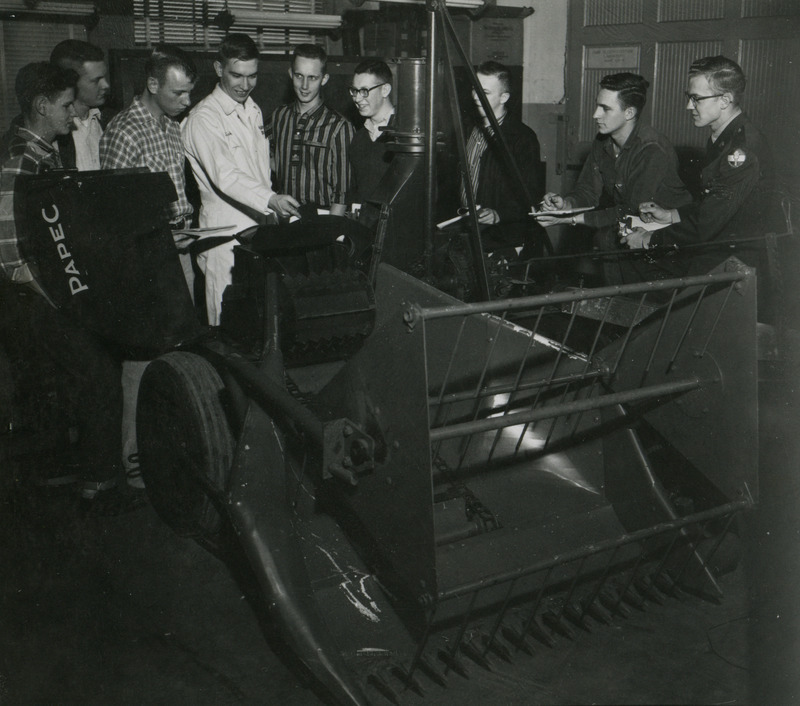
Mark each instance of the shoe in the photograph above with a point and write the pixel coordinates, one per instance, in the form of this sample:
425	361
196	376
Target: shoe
113	502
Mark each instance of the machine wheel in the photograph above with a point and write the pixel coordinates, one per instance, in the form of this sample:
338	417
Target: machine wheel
185	444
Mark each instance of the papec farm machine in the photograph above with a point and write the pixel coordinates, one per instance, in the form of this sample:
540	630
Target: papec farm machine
419	483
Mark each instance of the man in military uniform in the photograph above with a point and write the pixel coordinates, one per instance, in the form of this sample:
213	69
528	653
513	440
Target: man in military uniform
735	175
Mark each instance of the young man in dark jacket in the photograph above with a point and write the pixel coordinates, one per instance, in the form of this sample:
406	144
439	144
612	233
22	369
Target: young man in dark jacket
626	161
504	206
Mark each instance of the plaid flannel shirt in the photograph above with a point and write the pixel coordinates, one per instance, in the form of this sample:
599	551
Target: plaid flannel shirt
27	153
136	138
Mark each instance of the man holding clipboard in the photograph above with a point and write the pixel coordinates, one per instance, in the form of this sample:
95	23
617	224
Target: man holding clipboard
626	162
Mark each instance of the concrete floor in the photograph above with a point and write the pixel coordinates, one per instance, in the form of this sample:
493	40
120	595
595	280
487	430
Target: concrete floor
121	611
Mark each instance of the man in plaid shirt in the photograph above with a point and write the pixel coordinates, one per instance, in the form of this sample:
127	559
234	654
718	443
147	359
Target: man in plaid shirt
146	135
37	332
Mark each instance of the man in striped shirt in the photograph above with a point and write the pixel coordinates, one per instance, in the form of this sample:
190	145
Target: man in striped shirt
309	140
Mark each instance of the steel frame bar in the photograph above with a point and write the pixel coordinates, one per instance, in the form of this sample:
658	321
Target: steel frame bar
555	410
604	546
531	302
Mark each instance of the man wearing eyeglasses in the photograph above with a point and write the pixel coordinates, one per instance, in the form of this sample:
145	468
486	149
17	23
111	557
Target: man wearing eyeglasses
369	157
309	140
734	173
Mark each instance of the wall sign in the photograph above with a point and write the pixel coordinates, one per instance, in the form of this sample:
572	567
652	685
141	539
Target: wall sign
624	57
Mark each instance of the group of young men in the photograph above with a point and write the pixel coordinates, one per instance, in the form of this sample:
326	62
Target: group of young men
632	170
319	160
227	144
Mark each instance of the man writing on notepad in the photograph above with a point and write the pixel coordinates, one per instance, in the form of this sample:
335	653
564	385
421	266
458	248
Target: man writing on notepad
735	175
628	163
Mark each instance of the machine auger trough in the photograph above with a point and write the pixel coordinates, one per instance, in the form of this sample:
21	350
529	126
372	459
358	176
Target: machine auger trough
420	484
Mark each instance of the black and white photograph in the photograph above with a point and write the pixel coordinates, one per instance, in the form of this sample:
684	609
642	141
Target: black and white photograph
399	352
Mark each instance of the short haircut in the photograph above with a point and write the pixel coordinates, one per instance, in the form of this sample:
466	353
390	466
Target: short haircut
41	78
165	57
74	53
495	68
723	75
239	47
379	69
632	89
311	51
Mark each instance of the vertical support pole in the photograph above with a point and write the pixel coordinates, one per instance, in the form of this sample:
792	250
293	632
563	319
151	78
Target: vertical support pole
430	140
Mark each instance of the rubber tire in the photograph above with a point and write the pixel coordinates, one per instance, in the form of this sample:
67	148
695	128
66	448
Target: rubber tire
185	442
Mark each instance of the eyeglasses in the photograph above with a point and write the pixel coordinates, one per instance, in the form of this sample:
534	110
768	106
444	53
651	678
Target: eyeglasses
696	99
363	92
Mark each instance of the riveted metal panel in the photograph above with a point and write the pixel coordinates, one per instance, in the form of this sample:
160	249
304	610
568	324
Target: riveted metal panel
611	12
668	102
770	8
683	10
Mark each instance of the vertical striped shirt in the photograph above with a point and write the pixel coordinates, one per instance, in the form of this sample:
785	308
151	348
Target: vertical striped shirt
476	146
136	138
310	154
27	153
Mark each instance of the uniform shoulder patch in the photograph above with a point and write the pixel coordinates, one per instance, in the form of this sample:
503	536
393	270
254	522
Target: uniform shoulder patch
737	158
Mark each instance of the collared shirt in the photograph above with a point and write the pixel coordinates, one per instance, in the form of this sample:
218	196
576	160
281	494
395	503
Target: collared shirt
86	136
229	154
136	138
310	153
716	133
26	153
646	169
374	126
476	146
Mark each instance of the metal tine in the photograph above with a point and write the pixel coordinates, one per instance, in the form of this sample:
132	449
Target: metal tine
489	355
601	582
703	561
416	660
550	378
554	420
500	616
383	686
630	582
718	317
408	681
477	408
628	334
579	415
566	607
587	365
430	671
662	564
528	624
517	379
454	663
656	343
462	629
446	381
720	539
700	296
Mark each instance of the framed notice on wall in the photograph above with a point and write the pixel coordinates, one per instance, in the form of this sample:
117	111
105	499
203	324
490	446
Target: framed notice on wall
617	58
498	39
